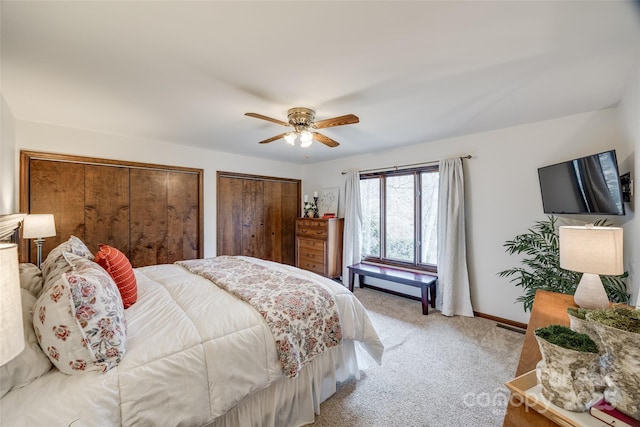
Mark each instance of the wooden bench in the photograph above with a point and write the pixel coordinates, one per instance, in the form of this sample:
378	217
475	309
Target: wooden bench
424	281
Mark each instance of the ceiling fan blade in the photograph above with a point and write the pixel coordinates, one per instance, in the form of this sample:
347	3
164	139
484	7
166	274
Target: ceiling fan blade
348	119
269	119
273	138
325	140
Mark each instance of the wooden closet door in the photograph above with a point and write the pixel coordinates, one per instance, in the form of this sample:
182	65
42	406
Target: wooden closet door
229	216
106	209
152	213
253	230
57	188
256	216
182	216
280	212
290	207
273	220
148	212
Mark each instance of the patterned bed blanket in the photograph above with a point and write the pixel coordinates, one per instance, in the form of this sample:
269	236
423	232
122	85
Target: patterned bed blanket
301	314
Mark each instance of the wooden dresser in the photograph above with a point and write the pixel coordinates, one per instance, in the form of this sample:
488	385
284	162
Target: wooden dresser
319	245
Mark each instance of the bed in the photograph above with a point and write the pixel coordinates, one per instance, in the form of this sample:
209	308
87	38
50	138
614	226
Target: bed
198	352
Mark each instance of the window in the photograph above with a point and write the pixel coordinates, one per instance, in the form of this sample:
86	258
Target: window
399	217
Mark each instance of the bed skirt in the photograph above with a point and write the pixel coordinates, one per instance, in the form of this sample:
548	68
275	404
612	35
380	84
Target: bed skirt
293	402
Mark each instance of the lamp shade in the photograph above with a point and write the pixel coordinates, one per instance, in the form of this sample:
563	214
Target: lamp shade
36	226
11	332
588	249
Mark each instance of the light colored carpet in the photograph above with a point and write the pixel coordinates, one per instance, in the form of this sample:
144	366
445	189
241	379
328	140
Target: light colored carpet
436	371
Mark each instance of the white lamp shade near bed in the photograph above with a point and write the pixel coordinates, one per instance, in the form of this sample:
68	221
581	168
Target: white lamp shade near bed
38	226
11	332
592	251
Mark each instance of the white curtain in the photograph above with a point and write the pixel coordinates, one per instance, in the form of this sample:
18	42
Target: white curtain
453	295
352	243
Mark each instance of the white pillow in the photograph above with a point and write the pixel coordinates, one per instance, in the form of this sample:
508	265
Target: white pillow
79	320
31	279
31	363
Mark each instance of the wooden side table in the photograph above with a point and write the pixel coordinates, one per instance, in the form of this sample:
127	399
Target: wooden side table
549	308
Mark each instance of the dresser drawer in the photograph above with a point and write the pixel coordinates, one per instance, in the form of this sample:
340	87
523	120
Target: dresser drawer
311	228
311	265
310	245
314	255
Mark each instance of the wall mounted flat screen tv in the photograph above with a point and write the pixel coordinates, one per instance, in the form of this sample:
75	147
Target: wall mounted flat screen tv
588	185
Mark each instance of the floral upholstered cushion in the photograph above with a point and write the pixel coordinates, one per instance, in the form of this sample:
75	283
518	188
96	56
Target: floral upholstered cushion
55	264
79	320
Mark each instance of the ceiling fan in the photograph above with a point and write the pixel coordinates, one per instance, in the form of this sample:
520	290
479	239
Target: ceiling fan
302	119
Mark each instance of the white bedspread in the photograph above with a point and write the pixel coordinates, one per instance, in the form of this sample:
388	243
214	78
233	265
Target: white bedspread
194	352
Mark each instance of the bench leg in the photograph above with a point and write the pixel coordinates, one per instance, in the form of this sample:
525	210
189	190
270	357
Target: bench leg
432	294
425	300
351	277
361	282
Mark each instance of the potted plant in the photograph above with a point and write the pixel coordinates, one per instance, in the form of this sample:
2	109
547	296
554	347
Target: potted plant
579	323
541	265
619	331
568	372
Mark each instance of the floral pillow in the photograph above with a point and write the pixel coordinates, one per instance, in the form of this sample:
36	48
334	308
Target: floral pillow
79	320
55	264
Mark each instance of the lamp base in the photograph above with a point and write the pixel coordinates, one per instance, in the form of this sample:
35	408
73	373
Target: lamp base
590	293
39	241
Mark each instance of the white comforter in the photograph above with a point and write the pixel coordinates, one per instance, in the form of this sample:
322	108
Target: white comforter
194	352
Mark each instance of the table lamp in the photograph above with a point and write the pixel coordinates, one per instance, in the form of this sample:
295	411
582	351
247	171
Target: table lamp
593	251
11	331
38	226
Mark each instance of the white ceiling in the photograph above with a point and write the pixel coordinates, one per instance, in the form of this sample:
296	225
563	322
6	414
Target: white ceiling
414	72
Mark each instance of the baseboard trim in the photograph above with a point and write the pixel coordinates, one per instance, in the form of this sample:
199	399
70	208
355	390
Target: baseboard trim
502	320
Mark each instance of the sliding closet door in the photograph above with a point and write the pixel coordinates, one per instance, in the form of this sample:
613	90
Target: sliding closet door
182	216
229	216
148	204
57	187
106	207
253	237
152	213
280	212
273	220
256	216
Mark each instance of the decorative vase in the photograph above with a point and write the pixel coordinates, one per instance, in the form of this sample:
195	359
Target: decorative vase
586	327
622	373
569	378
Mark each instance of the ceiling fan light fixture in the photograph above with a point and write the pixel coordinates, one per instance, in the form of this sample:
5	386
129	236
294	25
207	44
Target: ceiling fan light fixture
301	119
290	138
306	138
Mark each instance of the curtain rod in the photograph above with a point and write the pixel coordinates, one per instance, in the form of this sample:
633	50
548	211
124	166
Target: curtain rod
468	156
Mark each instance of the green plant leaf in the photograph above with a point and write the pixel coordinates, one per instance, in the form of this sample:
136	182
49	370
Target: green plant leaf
541	265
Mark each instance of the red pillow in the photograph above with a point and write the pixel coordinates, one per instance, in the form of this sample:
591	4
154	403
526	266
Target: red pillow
120	270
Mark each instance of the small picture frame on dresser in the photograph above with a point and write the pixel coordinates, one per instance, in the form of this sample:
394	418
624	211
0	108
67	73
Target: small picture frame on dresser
328	200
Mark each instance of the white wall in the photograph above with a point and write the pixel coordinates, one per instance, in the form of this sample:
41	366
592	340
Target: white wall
502	189
54	139
503	196
630	114
8	191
